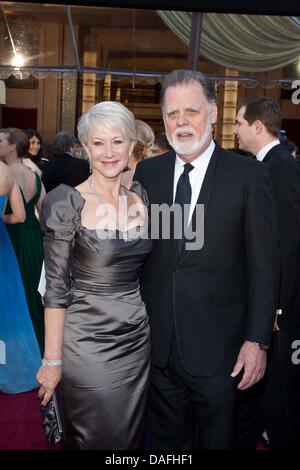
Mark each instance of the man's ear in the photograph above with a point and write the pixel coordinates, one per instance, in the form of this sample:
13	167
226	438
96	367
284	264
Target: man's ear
214	114
258	126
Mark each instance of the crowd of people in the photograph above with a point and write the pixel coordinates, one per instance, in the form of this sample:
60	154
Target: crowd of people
168	332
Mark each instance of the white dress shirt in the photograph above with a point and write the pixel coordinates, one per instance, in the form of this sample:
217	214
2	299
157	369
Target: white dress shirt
196	176
263	152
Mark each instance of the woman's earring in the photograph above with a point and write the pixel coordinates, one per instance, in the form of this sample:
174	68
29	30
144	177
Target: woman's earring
91	165
127	167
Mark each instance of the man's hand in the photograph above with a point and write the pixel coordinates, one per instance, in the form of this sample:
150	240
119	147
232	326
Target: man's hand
253	360
275	325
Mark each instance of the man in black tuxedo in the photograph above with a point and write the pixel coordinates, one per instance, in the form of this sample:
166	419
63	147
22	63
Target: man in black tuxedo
65	167
212	308
258	126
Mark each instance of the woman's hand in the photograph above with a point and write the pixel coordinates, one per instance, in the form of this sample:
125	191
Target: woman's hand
48	377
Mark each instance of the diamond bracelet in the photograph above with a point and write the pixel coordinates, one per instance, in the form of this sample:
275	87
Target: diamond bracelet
52	362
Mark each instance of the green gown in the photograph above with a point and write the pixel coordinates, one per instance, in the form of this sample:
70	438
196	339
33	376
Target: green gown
28	245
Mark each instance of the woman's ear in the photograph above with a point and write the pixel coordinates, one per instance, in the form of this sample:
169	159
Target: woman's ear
86	150
12	148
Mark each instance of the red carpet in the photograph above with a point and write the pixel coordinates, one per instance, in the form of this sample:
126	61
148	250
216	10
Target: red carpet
21	424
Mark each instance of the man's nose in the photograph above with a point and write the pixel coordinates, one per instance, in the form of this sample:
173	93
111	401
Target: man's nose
182	119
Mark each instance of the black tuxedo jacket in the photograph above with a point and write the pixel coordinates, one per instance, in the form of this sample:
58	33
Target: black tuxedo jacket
65	169
218	296
285	176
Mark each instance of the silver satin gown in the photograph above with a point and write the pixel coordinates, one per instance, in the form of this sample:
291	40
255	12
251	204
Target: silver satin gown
106	343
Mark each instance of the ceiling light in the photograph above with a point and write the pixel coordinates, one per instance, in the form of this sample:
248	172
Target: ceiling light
18	60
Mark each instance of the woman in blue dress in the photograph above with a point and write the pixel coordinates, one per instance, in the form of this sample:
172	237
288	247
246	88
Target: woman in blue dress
19	351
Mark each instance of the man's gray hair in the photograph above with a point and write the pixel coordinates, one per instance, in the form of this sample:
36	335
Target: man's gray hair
110	114
63	142
179	77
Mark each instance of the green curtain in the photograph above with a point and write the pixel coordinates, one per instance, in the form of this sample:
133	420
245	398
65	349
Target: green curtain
249	43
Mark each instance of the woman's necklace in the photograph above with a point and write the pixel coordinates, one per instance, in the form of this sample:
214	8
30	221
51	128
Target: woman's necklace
95	190
122	194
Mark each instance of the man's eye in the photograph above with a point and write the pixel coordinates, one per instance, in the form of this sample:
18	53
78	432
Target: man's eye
191	111
172	114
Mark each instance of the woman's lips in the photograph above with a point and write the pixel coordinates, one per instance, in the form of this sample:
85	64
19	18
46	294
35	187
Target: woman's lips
110	163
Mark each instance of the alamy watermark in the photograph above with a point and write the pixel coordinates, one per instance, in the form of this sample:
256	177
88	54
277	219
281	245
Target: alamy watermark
163	222
2	352
296	94
296	354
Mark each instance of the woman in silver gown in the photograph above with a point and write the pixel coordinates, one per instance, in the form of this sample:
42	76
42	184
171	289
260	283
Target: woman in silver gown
97	331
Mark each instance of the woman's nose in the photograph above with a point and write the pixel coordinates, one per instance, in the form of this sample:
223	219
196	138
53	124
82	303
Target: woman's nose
108	151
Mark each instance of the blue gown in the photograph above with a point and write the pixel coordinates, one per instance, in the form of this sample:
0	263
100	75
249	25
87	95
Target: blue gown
19	352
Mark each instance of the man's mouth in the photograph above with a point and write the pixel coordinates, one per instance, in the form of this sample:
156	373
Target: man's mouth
184	136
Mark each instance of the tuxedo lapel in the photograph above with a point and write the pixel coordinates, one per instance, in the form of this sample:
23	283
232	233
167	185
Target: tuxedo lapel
166	180
205	194
209	178
165	184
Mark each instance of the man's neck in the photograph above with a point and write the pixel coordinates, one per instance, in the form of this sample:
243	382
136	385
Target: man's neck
264	142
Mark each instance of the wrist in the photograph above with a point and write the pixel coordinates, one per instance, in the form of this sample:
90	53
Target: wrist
262	347
52	362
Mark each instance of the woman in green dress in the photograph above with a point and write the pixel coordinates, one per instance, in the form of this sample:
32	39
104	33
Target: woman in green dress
26	237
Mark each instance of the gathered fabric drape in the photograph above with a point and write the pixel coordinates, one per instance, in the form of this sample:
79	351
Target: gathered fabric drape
249	43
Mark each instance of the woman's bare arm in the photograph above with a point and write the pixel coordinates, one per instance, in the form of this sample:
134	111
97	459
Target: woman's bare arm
39	203
18	214
49	376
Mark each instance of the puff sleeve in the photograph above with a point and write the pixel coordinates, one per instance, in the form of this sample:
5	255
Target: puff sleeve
60	219
137	188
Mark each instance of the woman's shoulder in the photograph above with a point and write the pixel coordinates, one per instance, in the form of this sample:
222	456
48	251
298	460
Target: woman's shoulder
64	196
61	210
31	166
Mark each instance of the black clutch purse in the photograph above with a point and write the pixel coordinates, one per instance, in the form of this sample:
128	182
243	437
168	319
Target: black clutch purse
52	421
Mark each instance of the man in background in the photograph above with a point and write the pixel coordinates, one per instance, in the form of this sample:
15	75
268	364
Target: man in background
65	167
258	125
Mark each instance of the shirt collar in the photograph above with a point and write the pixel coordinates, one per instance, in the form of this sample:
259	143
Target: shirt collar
200	161
263	152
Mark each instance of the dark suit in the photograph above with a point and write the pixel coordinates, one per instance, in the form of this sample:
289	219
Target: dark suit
65	169
281	397
217	297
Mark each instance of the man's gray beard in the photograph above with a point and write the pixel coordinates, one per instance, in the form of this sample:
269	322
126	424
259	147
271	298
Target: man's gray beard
188	148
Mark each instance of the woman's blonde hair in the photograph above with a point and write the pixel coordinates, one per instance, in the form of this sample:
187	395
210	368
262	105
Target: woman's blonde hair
144	147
